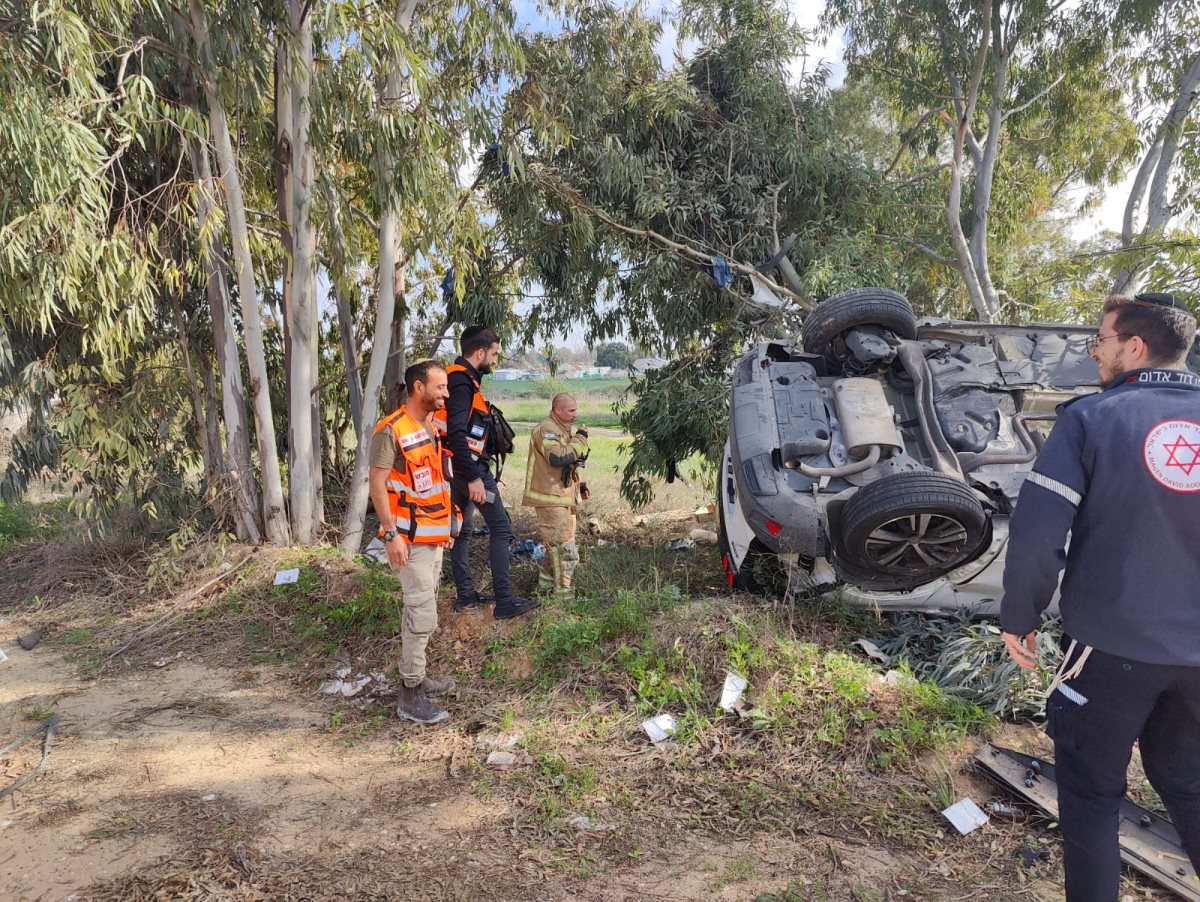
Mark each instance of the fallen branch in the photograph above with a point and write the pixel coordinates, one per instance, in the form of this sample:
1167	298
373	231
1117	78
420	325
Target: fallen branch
48	726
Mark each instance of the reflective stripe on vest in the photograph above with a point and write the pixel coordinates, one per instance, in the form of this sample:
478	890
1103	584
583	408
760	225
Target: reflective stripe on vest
480	414
419	495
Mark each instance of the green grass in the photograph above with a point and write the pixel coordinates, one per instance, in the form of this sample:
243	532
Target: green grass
22	521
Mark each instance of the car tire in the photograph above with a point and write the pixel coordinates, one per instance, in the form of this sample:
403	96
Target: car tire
912	527
861	307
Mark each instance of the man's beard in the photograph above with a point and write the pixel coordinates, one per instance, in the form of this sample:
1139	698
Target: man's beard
484	369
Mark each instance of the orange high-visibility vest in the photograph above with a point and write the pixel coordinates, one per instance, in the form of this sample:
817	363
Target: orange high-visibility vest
419	493
477	422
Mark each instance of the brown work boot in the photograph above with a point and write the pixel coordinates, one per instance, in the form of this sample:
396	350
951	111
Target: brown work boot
435	686
415	706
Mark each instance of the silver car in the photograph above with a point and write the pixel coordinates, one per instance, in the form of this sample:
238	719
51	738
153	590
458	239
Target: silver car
888	453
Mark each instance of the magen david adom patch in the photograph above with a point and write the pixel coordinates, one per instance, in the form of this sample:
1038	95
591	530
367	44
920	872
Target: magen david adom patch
1172	454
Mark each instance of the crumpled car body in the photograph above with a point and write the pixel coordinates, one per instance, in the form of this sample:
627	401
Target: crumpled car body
887	453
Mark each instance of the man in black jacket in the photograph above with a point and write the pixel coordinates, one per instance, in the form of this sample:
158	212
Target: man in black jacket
468	433
1120	473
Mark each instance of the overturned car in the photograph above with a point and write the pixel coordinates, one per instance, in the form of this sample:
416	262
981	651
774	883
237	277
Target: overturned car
889	453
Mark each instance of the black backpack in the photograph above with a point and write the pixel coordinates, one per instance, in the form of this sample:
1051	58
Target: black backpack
499	438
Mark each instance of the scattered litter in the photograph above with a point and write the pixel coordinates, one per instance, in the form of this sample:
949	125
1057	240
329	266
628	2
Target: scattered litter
483	530
680	544
596	526
706	513
966	816
501	742
211	797
896	678
704	536
343	684
502	760
4	825
376	549
585	824
822	574
1000	809
659	728
872	650
731	692
528	550
284	577
164	661
1029	857
30	640
3	656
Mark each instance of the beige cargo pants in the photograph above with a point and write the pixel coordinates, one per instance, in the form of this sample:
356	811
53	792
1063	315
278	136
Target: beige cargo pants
419	581
556	529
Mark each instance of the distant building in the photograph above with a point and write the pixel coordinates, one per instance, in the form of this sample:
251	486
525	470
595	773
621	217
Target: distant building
507	374
645	364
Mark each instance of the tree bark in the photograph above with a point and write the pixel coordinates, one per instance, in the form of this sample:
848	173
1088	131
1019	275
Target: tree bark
345	315
1154	174
274	513
356	507
229	362
304	477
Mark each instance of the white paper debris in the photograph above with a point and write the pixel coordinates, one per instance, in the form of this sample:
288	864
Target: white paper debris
3	656
211	797
346	686
283	577
731	692
167	659
966	816
377	550
872	650
659	728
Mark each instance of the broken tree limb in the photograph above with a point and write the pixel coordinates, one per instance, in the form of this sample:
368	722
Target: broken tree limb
48	726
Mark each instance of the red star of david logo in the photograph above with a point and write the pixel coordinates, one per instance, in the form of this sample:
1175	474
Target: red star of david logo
1183	446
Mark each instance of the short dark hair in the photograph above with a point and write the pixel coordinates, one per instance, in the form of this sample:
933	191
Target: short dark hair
419	372
1167	329
475	337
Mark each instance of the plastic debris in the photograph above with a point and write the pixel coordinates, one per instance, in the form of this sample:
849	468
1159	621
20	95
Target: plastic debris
966	816
211	797
3	656
1029	857
167	659
680	544
5	824
483	530
896	678
585	824
376	550
703	536
285	577
501	742
659	728
529	550
731	692
872	650
343	684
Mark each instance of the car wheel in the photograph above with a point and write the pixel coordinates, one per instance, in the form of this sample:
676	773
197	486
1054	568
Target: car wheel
824	327
913	525
758	560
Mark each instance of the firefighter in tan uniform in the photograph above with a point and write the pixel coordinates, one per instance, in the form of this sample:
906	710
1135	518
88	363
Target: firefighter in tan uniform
553	489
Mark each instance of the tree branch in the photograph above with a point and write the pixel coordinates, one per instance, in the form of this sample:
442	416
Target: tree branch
1034	99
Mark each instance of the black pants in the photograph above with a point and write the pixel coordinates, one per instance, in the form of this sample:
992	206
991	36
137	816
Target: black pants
1158	706
499	549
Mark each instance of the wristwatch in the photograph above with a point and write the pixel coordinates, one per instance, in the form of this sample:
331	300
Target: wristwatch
391	534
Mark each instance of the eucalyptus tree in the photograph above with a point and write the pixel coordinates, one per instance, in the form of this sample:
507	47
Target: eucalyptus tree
1001	105
641	202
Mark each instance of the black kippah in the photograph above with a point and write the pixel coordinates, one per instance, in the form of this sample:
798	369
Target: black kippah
1162	299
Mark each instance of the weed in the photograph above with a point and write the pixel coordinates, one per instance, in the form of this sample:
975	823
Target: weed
77	636
507	720
941	785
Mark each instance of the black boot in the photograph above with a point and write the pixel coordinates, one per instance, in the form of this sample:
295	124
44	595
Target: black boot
516	608
462	602
415	706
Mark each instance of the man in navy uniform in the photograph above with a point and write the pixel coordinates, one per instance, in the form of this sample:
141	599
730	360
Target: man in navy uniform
1121	474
